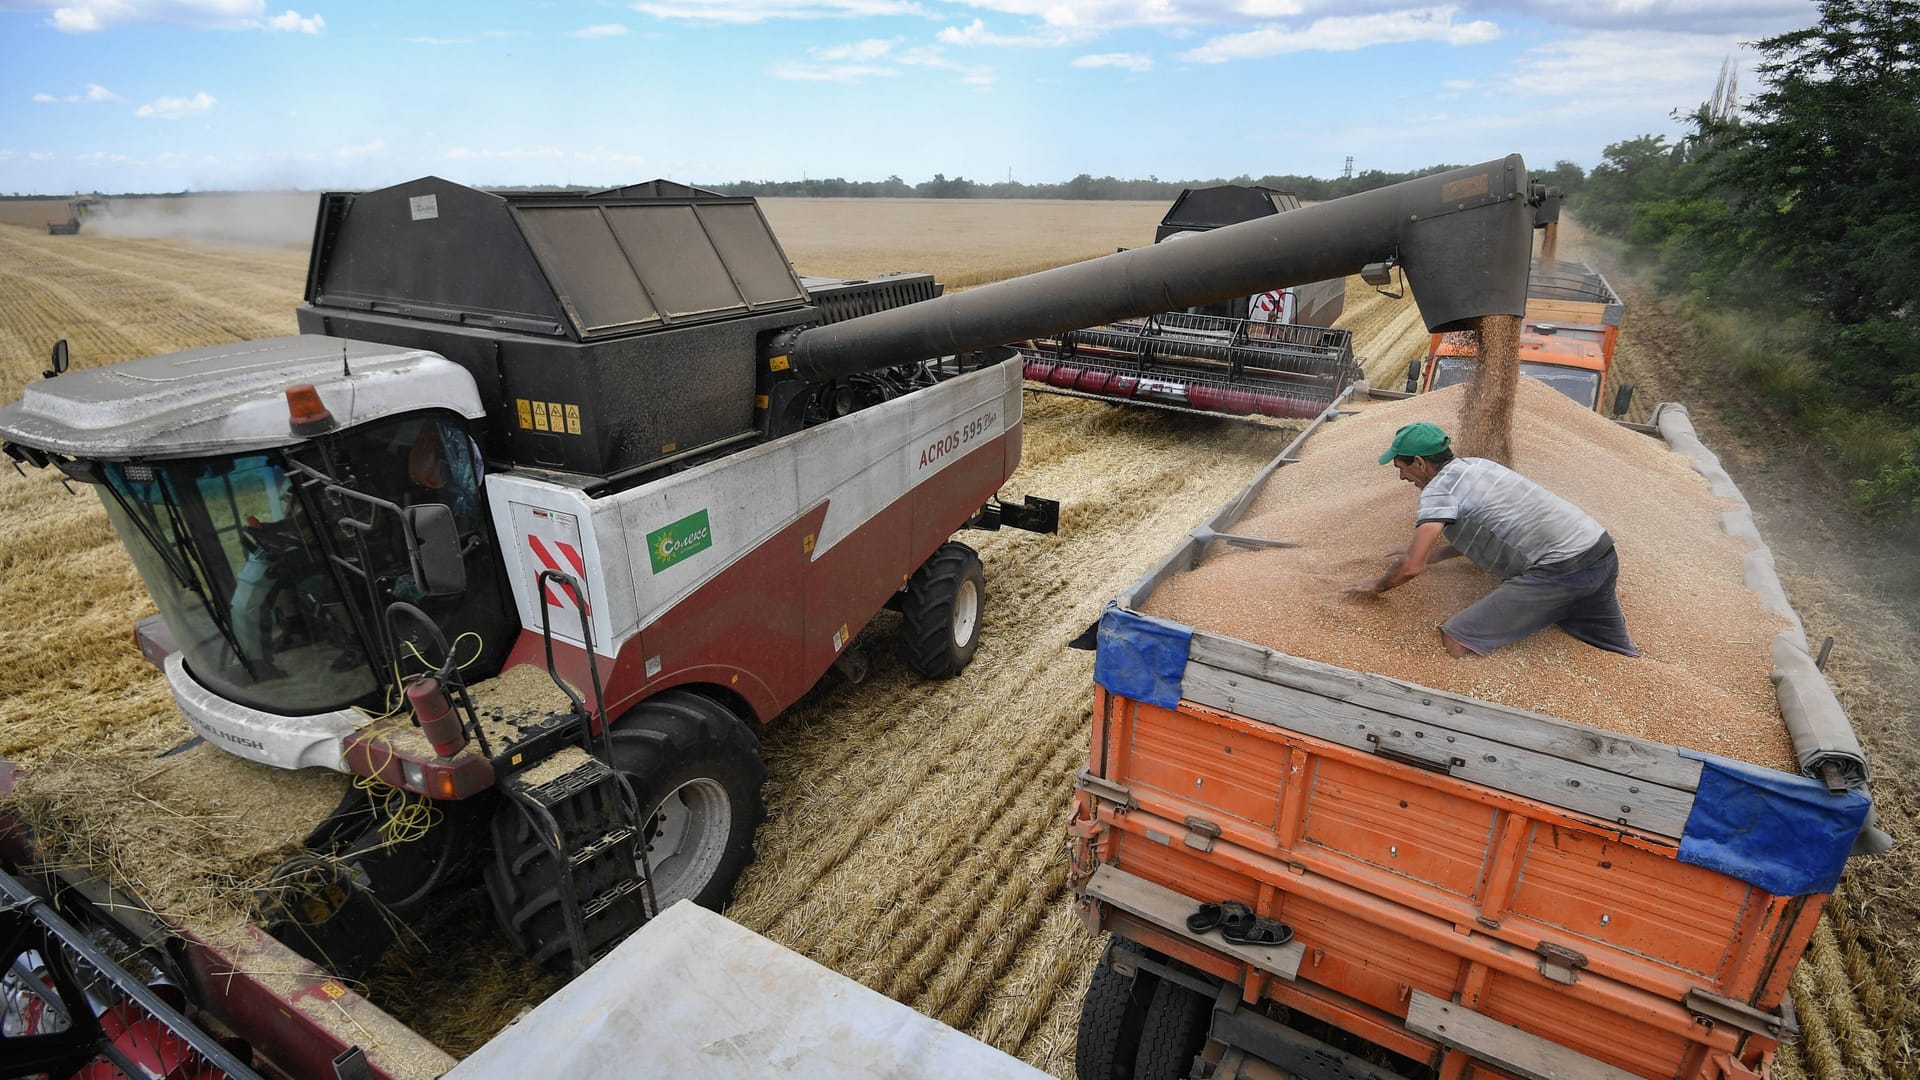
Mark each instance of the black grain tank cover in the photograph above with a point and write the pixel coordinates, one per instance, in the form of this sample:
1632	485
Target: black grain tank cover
581	267
1200	209
606	332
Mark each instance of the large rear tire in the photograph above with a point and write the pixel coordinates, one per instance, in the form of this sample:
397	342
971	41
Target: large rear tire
696	772
1174	1031
1110	1020
695	768
940	627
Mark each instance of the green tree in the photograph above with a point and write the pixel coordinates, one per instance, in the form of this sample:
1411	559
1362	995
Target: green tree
1633	177
1825	168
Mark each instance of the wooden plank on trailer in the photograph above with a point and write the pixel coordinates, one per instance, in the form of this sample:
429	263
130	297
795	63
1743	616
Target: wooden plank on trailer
1501	1045
1642	759
1168	910
1570	312
1631	802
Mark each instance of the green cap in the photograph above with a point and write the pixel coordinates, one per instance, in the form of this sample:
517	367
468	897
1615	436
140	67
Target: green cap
1416	440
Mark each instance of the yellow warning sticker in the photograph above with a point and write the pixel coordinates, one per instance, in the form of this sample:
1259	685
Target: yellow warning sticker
760	401
539	416
556	417
573	419
333	989
778	363
526	411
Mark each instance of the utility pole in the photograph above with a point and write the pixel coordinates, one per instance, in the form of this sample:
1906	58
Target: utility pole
1348	175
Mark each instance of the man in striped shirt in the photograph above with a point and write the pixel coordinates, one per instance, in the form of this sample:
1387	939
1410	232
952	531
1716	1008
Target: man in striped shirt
1557	565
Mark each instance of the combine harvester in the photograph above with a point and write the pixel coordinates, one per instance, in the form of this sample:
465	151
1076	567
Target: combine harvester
610	444
1271	354
79	208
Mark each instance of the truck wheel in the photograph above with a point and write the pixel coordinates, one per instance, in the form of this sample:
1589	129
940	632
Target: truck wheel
1174	1031
695	769
940	628
1110	1019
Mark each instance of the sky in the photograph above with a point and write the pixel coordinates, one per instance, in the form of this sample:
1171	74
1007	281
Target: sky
169	95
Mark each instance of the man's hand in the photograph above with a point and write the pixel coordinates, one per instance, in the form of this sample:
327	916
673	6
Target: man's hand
1363	589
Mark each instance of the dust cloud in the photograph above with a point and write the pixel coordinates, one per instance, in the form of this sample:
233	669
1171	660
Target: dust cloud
248	219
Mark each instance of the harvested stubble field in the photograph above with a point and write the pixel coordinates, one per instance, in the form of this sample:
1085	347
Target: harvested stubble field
915	837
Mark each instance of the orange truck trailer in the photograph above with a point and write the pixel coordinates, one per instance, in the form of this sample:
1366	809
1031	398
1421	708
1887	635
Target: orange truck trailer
1461	888
1567	337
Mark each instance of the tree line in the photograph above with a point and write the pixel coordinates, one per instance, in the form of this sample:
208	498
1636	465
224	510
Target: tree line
1086	186
1791	228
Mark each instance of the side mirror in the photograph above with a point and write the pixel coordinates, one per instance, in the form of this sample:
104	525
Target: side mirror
1622	399
60	359
438	567
1413	376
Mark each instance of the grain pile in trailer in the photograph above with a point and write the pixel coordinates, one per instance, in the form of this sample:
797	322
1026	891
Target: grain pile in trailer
1703	679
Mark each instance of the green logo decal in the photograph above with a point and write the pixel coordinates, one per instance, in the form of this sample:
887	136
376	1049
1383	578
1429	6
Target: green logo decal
686	537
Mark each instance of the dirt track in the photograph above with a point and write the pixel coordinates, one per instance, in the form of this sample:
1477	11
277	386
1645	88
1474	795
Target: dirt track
915	834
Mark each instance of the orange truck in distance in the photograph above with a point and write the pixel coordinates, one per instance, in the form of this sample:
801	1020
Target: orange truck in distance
1566	339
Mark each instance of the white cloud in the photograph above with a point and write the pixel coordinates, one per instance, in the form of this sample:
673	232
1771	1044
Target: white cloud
513	153
976	33
94	16
601	30
292	21
93	94
101	156
859	51
1093	16
1129	61
1269	9
849	63
1345	33
39	155
173	108
1747	19
753	11
1638	71
376	148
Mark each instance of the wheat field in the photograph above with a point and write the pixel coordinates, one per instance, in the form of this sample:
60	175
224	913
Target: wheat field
915	837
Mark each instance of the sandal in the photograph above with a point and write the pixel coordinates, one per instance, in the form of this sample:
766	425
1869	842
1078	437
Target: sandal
1208	916
1257	931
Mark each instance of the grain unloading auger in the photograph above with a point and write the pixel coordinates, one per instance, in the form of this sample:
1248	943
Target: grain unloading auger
614	440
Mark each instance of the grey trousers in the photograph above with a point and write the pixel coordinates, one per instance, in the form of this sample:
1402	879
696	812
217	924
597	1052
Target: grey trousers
1581	603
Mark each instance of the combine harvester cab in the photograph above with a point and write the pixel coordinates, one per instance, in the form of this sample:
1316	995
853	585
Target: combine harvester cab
1273	354
1446	886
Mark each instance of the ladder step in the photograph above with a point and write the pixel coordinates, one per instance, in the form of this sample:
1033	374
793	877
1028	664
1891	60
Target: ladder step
597	847
601	902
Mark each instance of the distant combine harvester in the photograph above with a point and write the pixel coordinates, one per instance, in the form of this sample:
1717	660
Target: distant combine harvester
78	208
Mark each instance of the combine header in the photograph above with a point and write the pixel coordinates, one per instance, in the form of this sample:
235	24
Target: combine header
1269	354
1200	363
